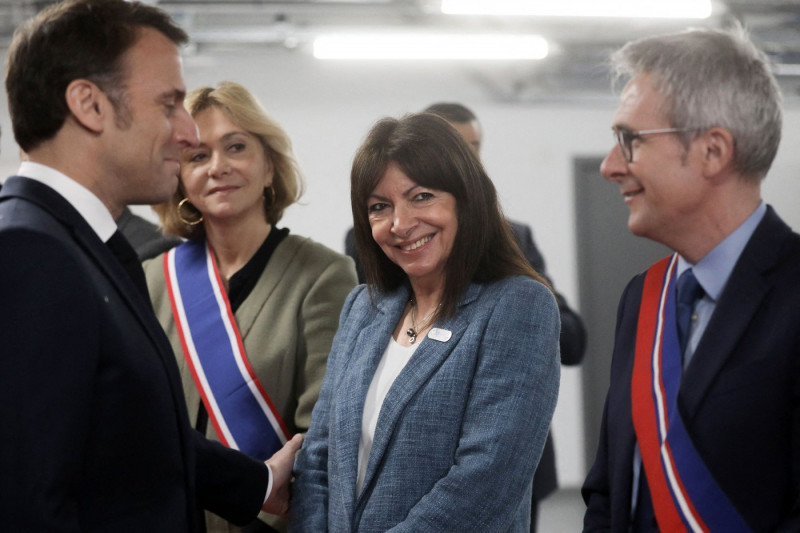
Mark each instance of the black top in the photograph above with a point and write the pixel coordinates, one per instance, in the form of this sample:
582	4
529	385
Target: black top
242	282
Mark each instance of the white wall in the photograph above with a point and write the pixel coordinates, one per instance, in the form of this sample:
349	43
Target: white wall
327	108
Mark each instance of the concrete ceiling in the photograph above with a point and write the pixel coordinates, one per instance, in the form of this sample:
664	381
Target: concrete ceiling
575	68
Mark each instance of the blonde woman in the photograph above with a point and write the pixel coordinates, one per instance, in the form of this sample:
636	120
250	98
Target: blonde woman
250	309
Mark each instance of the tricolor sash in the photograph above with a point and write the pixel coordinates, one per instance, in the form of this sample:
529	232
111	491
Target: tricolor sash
239	408
685	495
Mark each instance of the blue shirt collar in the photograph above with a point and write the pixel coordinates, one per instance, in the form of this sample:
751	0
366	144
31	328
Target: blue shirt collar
713	270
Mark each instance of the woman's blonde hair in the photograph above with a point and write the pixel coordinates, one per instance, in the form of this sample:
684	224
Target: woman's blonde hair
244	110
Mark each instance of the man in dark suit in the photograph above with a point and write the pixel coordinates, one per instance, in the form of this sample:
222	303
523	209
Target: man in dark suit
96	435
573	333
702	418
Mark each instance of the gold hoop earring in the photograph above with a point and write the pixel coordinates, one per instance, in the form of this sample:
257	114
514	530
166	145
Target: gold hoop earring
184	220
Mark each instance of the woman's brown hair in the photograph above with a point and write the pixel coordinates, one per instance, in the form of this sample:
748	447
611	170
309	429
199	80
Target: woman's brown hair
433	154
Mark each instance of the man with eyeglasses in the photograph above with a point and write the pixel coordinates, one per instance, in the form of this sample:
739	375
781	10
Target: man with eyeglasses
702	419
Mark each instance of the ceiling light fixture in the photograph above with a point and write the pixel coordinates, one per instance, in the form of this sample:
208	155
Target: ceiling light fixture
418	46
582	8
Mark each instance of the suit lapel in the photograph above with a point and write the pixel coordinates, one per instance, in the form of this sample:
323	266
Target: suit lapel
101	256
127	289
738	303
272	276
86	239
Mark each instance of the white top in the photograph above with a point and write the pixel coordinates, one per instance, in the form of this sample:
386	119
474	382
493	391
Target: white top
393	360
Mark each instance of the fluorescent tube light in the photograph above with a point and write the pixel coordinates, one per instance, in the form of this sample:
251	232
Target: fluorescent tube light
430	46
786	69
582	8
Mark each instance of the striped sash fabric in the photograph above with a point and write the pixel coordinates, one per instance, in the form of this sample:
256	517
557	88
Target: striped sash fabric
685	495
237	404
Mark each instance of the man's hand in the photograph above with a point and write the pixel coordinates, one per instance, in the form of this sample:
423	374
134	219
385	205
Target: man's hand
281	465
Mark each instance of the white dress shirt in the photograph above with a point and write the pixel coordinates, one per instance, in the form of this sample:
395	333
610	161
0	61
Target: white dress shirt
89	206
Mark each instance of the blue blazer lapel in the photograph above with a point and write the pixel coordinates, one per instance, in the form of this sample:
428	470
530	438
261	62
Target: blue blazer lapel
426	361
366	352
738	303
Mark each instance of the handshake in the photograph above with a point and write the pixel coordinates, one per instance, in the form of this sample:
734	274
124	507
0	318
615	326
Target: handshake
281	465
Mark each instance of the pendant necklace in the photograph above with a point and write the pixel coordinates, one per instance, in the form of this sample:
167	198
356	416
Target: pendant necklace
412	331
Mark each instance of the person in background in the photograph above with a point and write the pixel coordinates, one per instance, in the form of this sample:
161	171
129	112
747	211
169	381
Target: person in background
97	433
145	237
444	373
242	292
573	333
702	416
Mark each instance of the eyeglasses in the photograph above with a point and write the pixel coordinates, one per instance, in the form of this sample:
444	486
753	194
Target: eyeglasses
626	137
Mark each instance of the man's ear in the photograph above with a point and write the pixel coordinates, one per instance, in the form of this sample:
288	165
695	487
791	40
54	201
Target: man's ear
719	151
88	104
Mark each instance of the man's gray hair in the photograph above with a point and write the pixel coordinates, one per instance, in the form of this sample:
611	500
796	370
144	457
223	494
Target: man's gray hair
711	78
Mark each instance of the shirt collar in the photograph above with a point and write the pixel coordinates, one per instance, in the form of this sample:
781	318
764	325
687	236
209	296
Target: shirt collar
713	270
82	199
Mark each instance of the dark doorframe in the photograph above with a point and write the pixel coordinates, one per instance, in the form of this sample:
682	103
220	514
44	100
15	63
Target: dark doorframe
608	257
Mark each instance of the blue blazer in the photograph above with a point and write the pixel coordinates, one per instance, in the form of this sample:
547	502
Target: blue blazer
739	397
461	429
98	438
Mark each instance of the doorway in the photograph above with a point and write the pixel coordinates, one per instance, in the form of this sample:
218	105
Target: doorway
608	257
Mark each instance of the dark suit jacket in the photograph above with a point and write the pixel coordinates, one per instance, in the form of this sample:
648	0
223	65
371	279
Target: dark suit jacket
739	396
96	436
572	342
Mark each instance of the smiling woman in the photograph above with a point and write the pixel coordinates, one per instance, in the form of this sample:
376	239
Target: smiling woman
247	306
444	373
226	176
414	226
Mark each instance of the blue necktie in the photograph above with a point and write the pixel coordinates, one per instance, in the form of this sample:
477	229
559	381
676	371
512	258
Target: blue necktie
689	291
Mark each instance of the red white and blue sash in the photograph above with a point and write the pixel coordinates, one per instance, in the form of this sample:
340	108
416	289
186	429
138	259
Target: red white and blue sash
237	404
685	495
